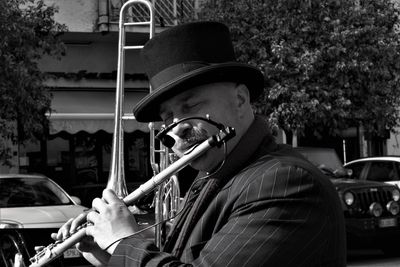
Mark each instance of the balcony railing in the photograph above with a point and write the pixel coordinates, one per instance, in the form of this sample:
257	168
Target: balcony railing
167	12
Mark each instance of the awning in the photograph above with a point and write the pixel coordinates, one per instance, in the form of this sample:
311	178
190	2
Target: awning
91	111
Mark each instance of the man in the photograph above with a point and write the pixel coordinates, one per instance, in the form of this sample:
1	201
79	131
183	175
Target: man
256	204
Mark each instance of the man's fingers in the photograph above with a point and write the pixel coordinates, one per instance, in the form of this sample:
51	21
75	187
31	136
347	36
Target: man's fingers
69	227
63	232
110	197
53	236
78	221
92	217
86	244
98	205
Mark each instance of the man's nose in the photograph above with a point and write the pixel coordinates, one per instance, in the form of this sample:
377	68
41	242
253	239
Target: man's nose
181	129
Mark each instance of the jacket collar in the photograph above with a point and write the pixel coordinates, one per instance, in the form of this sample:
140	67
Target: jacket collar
257	141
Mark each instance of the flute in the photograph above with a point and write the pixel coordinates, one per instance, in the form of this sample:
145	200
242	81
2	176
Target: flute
55	250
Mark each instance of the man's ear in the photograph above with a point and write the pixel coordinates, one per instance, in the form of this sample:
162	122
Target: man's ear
243	95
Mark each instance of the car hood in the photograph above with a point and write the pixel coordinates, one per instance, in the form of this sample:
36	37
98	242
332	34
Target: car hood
345	183
42	216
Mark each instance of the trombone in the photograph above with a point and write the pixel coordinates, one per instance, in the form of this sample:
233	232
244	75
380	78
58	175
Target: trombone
116	180
166	200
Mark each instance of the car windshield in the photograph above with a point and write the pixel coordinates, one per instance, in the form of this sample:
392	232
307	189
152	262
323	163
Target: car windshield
30	191
326	160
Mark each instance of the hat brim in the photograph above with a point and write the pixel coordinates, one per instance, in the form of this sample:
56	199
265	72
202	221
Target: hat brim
147	109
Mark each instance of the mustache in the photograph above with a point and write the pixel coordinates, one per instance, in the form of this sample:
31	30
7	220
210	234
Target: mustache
192	137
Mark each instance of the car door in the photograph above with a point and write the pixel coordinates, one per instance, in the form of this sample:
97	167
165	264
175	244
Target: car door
395	175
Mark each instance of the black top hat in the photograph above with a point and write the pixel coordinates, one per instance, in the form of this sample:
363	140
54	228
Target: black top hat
190	55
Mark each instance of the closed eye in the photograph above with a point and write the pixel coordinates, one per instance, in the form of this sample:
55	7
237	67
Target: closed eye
167	118
191	108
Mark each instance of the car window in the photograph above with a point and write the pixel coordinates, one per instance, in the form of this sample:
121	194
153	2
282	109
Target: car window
396	173
47	194
357	168
27	192
328	158
380	171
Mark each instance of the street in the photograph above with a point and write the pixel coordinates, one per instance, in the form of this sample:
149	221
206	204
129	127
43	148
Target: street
362	258
371	258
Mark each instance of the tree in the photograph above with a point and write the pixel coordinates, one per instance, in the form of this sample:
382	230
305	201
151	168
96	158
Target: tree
329	64
28	31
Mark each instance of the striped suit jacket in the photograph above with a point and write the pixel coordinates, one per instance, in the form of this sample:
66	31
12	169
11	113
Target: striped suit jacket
276	209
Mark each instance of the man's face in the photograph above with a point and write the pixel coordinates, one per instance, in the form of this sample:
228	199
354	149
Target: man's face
219	101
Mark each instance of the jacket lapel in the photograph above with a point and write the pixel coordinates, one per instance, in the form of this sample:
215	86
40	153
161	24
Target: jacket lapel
247	151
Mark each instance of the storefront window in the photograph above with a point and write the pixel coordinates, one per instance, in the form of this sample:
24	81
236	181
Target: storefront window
82	161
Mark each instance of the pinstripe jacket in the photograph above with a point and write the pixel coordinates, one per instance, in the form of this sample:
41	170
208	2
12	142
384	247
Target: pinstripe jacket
272	208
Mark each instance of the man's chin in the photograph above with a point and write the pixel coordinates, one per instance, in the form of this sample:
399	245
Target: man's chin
206	162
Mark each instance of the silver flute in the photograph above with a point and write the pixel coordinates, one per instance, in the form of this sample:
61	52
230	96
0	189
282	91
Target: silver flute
55	250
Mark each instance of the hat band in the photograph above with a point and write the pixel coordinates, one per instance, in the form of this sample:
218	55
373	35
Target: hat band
175	72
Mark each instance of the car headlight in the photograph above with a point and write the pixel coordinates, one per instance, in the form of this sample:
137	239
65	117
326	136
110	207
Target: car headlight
348	198
375	209
393	207
396	194
8	224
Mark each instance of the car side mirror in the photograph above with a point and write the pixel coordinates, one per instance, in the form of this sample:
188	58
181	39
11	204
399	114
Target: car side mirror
349	172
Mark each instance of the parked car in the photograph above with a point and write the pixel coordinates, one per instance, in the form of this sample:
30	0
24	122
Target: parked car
31	208
383	169
371	208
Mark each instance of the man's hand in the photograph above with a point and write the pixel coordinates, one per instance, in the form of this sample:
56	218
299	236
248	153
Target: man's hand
110	221
69	227
90	250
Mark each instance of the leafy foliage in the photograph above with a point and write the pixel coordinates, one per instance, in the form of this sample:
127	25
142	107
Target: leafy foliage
330	64
28	31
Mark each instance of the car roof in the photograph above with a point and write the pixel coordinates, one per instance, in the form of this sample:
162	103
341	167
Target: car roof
309	148
380	158
18	175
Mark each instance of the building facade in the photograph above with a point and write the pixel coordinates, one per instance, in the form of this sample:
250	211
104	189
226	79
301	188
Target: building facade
77	153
